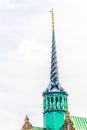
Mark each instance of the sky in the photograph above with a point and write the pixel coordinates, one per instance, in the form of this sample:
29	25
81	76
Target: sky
25	54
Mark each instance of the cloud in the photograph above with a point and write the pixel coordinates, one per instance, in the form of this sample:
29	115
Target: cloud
25	63
6	4
3	2
19	70
32	6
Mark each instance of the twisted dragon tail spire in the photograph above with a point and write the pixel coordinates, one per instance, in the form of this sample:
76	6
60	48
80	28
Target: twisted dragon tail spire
54	70
54	85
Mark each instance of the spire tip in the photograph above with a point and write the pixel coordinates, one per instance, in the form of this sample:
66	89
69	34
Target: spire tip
52	18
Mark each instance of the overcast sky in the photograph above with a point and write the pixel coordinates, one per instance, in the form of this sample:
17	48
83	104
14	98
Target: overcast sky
25	51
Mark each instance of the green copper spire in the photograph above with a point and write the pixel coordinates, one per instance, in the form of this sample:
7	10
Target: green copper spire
54	97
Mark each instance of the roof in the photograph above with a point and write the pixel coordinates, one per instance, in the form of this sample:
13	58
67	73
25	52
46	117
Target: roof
39	128
79	123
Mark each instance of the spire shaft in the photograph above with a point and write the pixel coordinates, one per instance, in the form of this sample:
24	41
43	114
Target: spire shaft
54	69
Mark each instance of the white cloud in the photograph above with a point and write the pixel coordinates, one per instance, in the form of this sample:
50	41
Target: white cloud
19	71
3	2
25	64
8	4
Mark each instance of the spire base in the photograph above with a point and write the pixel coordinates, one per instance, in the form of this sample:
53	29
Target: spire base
55	88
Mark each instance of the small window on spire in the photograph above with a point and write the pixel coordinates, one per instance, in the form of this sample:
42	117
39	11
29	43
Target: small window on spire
51	102
48	102
56	102
44	104
61	102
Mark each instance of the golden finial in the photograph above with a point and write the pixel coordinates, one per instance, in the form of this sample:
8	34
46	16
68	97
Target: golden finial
52	18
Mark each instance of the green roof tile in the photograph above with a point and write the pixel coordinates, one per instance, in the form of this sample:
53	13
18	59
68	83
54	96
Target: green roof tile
79	123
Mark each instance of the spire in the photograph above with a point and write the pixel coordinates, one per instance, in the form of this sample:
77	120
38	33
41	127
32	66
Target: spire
27	125
54	85
54	69
68	124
